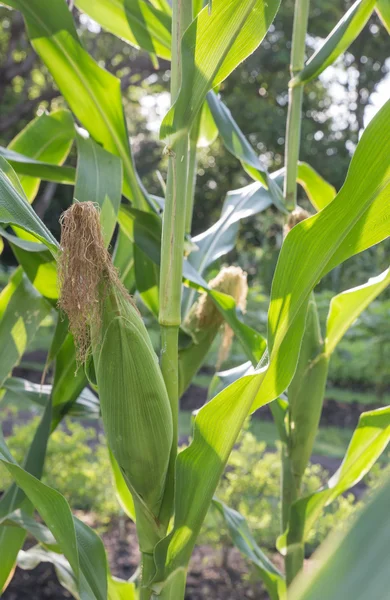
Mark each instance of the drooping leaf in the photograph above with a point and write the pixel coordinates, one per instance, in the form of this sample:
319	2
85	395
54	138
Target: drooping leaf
99	180
346	307
92	93
339	39
39	148
238	145
212	47
15	209
243	539
134	21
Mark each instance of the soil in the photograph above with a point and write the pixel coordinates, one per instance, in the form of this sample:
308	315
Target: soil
208	579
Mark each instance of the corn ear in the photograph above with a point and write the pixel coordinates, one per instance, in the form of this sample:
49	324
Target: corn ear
134	402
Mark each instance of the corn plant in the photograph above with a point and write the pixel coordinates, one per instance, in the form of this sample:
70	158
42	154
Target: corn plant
100	339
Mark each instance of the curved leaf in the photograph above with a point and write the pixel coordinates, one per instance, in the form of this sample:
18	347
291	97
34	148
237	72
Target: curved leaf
346	307
134	21
368	442
238	145
15	209
39	148
318	190
22	310
92	93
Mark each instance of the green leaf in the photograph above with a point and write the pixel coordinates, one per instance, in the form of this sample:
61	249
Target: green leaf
352	565
123	258
80	545
32	169
346	307
306	395
41	533
355	220
221	237
144	230
122	491
339	39
319	191
212	47
11	539
368	442
383	10
39	148
15	209
245	542
99	180
121	590
22	310
92	93
31	558
68	382
86	406
208	131
238	145
134	21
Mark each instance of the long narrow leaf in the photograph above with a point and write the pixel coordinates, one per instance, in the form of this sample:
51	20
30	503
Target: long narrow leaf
15	209
212	47
337	41
92	93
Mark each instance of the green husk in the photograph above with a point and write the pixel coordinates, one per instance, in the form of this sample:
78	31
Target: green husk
109	329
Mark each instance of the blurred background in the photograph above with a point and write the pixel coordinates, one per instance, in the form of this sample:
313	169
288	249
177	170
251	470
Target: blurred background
336	109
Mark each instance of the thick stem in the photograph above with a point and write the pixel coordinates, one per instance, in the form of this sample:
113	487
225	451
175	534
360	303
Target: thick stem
293	128
172	249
